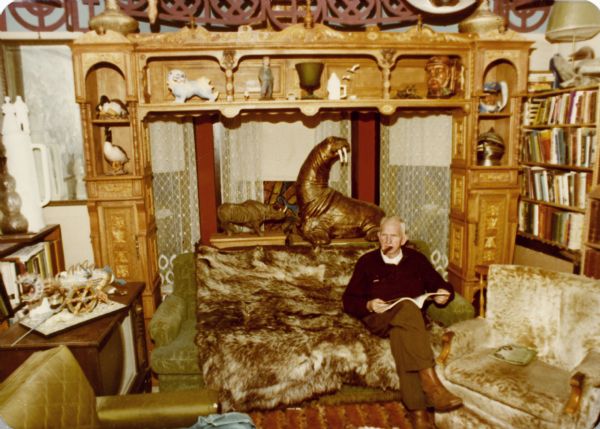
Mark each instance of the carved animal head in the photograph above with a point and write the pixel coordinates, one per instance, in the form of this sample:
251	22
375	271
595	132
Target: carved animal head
332	149
176	76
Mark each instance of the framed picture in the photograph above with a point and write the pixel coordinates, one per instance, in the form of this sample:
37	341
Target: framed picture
6	310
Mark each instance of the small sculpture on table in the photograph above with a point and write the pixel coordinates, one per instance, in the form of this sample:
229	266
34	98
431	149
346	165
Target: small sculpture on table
265	77
250	214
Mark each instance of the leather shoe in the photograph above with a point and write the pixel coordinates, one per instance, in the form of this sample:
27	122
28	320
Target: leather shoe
436	393
420	419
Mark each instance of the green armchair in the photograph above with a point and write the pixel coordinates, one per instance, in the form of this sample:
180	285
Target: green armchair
49	390
173	328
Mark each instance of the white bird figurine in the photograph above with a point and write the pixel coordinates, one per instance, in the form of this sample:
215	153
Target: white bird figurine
115	155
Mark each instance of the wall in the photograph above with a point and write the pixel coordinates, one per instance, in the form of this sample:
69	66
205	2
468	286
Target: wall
75	227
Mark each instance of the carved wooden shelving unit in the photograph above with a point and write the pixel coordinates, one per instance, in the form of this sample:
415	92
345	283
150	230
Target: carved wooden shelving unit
134	69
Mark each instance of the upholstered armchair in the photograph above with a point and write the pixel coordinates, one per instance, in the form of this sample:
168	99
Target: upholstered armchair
557	314
173	328
50	390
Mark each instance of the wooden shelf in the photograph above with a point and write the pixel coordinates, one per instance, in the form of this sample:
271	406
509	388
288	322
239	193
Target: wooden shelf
307	107
545	126
498	115
558	166
558	206
110	121
592	245
575	254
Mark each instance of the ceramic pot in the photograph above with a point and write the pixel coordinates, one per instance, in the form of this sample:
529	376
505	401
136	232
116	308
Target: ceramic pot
310	77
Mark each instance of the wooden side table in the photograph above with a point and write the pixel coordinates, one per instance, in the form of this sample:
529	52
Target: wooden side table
111	350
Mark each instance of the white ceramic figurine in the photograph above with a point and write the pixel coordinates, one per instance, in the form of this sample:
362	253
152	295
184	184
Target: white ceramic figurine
182	88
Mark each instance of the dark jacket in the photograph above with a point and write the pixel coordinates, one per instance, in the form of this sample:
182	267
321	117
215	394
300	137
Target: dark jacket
373	278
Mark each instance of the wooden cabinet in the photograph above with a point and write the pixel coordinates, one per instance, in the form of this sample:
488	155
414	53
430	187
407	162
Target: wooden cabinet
484	169
559	174
111	350
123	228
385	66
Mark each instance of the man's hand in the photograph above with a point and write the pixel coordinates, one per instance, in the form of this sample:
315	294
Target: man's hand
376	305
442	299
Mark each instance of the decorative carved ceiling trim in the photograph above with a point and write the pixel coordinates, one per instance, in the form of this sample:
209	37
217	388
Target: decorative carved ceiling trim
73	15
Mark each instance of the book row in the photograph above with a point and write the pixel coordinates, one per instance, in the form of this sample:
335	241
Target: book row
36	259
567	146
567	188
551	224
575	107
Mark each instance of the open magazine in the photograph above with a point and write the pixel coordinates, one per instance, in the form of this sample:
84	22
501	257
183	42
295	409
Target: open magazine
419	300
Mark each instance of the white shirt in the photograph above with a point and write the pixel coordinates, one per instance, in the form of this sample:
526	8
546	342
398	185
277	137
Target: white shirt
393	261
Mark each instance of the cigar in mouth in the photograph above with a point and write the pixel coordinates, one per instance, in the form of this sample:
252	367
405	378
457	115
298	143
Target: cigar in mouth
387	249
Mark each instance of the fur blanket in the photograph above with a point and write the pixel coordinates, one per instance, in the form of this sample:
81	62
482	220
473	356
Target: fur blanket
272	331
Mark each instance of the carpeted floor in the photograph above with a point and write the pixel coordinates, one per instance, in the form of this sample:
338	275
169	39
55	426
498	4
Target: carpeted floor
386	415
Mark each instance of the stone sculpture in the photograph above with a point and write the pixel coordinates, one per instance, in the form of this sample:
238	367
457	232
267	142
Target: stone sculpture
324	212
250	214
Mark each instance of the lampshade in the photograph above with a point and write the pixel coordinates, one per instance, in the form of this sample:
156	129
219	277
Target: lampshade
571	21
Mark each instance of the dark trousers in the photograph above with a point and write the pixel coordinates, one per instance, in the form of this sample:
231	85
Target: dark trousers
411	348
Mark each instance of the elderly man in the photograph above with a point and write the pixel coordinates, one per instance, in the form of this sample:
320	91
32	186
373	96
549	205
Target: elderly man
389	273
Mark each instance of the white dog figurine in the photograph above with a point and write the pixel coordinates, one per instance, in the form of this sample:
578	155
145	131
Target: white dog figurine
183	89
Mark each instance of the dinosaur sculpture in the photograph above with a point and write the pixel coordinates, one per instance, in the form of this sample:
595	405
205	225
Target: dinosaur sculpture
324	212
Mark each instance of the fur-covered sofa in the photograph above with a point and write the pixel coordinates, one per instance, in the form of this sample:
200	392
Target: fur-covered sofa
557	314
271	329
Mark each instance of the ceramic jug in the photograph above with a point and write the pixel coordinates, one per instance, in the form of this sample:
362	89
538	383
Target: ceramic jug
335	88
21	163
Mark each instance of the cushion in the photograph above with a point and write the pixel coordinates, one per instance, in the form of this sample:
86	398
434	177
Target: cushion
48	387
538	388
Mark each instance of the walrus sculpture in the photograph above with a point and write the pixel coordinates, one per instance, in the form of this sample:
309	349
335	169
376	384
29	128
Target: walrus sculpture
324	212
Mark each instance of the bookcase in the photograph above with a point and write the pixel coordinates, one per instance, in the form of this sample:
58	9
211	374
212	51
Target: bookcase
559	160
40	252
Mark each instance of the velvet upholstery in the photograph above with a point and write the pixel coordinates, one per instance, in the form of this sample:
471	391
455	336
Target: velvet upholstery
49	390
174	358
554	313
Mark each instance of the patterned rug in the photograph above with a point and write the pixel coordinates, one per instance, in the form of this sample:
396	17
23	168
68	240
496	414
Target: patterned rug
385	415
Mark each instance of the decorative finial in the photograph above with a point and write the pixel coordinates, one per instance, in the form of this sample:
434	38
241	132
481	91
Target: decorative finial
192	23
419	22
308	17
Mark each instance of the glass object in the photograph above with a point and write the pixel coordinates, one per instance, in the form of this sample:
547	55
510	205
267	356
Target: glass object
310	77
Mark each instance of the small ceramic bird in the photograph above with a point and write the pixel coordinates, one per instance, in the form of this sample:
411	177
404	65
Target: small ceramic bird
114	154
110	109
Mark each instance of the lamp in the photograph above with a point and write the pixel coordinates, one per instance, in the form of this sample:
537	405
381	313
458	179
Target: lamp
572	21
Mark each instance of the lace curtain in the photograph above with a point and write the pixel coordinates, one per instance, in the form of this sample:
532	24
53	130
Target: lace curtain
415	178
54	115
259	148
175	190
